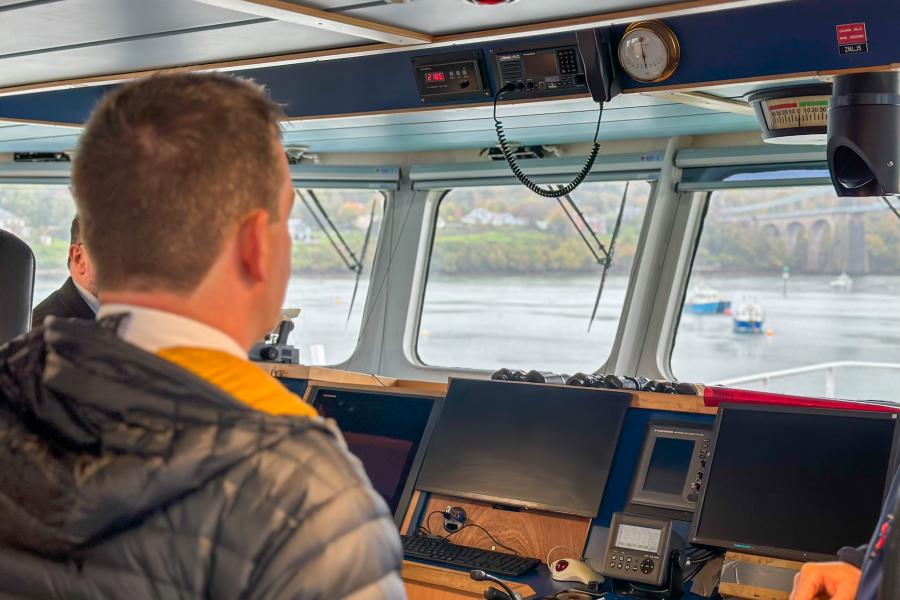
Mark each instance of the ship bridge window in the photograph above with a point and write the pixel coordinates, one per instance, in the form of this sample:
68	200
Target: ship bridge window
512	283
335	233
794	290
41	215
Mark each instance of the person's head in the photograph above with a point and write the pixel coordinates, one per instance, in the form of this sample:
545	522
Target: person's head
184	193
79	262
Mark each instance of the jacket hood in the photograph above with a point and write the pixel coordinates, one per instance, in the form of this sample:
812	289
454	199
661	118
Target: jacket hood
95	434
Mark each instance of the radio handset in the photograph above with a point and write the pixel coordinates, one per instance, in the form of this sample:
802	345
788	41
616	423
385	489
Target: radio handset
595	48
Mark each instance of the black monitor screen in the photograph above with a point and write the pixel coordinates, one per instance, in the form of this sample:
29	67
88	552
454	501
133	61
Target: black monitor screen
796	483
385	431
669	466
520	444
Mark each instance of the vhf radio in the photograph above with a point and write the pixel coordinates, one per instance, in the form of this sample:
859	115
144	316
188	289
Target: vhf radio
540	71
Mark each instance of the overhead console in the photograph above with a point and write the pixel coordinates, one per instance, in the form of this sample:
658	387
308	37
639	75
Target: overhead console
541	72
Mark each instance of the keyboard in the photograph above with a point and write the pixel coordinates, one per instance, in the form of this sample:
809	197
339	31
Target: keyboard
438	550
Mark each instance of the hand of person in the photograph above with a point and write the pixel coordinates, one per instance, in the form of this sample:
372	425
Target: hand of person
829	581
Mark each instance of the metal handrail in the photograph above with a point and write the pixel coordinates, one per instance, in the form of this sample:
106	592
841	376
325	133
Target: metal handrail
829	368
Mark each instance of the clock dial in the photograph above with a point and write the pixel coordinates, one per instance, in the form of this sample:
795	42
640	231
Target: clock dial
649	51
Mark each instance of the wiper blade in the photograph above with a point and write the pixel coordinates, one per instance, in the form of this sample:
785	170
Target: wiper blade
609	256
362	260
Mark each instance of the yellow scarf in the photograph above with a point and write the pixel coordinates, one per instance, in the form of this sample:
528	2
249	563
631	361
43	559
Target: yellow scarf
239	378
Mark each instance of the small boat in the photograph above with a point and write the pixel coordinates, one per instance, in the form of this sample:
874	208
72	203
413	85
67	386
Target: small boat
704	300
842	282
748	318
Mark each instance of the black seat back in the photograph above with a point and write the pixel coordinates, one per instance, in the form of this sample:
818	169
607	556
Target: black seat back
16	286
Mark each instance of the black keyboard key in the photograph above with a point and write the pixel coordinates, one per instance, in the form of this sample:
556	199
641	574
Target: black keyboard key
439	550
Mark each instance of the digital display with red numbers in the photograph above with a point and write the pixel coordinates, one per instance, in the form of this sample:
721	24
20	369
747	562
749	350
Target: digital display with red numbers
446	80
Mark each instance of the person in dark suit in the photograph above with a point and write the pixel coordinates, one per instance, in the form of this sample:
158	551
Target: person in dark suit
77	298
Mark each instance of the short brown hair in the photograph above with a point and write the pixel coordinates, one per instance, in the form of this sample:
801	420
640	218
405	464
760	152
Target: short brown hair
166	168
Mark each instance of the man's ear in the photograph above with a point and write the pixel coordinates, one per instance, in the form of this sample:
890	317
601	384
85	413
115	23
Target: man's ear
253	245
75	255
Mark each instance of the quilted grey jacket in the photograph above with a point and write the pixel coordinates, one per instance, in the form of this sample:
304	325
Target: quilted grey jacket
123	476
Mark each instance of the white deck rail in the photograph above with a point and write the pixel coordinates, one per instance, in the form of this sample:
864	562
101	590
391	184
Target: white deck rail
829	369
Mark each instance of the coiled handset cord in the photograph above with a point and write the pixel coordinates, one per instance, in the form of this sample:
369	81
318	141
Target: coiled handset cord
517	170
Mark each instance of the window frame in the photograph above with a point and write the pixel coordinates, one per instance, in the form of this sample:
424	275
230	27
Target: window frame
702	198
387	195
426	248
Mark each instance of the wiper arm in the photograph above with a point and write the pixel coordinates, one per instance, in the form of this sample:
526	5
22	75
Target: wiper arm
585	225
609	256
362	259
331	231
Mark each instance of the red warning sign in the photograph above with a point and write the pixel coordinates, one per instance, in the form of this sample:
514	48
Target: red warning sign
851	33
852	38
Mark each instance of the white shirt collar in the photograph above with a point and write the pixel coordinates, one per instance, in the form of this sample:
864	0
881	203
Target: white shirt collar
88	297
153	330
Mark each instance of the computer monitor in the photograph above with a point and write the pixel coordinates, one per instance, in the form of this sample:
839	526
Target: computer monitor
387	431
794	482
525	445
671	467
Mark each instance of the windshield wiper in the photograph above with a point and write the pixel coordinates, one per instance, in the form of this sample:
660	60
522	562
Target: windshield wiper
601	253
362	260
609	255
331	231
340	245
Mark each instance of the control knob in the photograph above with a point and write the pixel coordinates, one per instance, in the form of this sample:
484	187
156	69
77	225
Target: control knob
647	566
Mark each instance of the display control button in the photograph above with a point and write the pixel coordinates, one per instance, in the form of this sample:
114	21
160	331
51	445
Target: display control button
647	566
619	566
628	559
692	497
612	565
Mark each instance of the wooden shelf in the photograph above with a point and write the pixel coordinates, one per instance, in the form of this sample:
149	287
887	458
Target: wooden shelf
427	582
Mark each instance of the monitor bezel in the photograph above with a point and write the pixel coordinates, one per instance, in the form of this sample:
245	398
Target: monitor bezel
519	504
771	551
437	405
637	496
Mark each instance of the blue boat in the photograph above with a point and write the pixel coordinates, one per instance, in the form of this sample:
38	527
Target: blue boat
748	318
704	300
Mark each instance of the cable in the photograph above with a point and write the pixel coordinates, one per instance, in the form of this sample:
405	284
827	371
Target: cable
428	521
427	529
520	174
487	533
891	206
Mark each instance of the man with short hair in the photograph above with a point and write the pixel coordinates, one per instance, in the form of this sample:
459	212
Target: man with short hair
77	298
143	456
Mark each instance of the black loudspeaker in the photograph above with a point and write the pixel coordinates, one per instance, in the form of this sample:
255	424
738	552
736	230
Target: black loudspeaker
17	277
864	134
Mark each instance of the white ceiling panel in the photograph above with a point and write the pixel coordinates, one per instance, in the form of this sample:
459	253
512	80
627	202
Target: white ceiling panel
453	16
36	27
259	39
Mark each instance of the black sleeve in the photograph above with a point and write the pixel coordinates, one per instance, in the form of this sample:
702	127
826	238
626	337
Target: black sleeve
853	556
